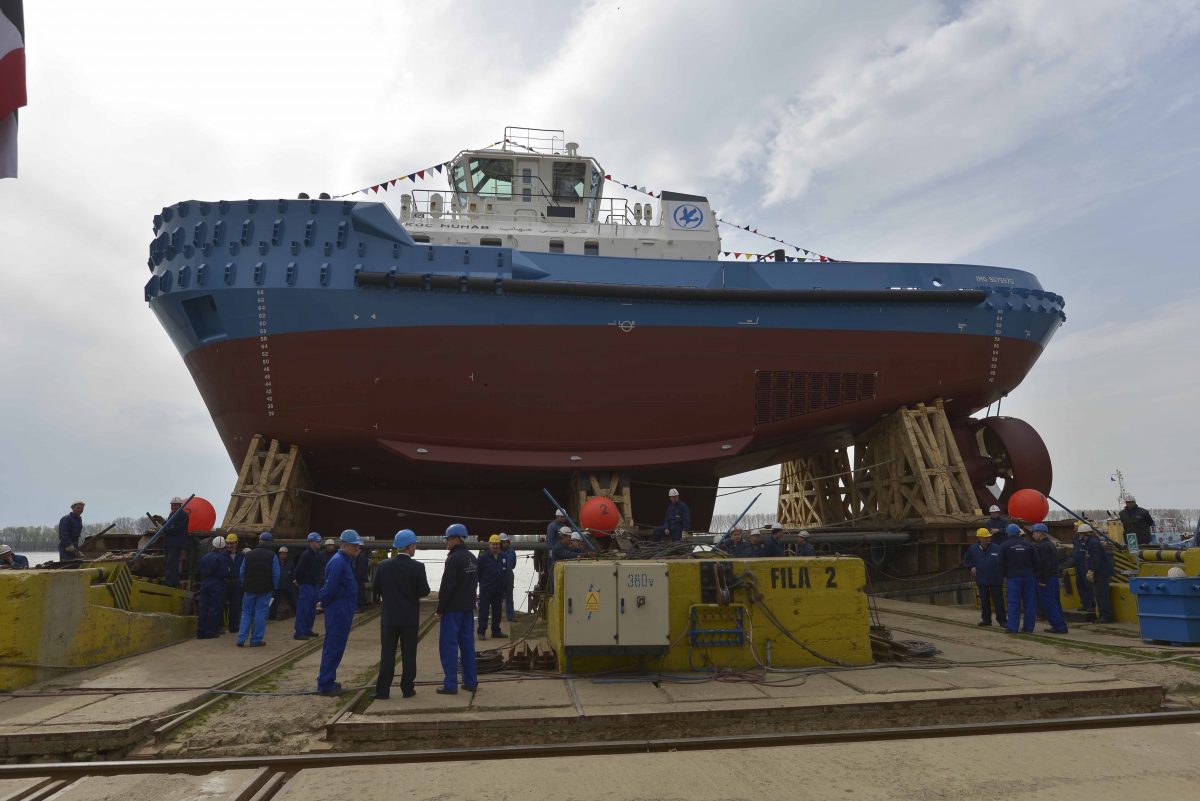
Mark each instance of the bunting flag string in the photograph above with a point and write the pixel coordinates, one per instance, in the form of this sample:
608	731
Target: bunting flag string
416	175
809	255
428	172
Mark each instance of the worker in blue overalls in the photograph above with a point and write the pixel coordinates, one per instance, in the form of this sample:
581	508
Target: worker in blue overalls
734	545
493	584
214	569
984	560
677	520
772	543
1048	600
310	568
456	602
233	584
339	599
1019	565
510	559
803	546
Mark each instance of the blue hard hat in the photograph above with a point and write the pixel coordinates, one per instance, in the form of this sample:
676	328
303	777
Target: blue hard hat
455	530
404	538
313	537
266	536
1040	527
350	537
1013	528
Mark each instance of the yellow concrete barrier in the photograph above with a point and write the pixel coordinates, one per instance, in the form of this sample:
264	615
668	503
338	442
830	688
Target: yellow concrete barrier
58	620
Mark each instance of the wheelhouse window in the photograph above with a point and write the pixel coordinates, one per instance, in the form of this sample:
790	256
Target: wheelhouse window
492	177
490	241
569	183
556	246
591	248
422	238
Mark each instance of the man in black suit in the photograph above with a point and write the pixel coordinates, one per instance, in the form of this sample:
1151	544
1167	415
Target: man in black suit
401	582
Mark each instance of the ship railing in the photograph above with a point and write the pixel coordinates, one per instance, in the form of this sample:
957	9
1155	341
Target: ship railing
549	141
445	205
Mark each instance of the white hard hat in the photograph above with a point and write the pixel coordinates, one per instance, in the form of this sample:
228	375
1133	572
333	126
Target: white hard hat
5	549
673	493
777	527
1175	572
802	533
993	508
218	541
504	537
1084	528
559	513
565	530
177	499
283	549
575	535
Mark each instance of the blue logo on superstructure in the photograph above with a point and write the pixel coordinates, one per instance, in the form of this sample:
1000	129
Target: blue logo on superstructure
688	216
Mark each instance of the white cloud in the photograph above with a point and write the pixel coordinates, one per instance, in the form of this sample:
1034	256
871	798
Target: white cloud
917	130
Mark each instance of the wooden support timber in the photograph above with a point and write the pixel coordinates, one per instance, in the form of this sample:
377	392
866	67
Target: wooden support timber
818	490
907	470
270	493
614	486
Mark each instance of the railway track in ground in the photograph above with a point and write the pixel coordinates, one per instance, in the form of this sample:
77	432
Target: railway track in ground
262	778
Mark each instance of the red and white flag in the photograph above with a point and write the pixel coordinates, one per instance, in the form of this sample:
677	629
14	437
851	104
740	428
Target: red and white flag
12	82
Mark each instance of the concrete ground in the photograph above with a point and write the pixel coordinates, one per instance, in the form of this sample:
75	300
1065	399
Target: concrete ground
984	681
64	718
1101	765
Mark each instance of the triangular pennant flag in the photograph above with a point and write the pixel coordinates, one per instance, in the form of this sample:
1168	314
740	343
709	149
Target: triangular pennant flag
747	228
421	173
755	231
438	167
608	177
393	181
375	188
749	256
412	176
725	253
737	255
384	186
824	259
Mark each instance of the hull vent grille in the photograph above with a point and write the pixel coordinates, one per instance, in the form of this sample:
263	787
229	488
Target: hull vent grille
781	394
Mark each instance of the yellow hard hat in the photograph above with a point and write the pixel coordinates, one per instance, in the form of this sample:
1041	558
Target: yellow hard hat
983	532
231	538
494	538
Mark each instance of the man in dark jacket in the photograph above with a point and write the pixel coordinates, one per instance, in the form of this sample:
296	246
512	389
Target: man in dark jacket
493	583
339	599
563	550
259	575
70	527
175	540
456	602
772	541
1019	565
677	520
1137	521
10	560
734	545
803	546
401	583
1099	566
984	560
214	569
1048	601
307	578
996	523
362	574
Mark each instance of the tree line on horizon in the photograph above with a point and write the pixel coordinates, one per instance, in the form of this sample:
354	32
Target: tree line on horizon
45	538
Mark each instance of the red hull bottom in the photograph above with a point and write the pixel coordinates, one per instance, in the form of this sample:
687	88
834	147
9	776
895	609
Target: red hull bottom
472	423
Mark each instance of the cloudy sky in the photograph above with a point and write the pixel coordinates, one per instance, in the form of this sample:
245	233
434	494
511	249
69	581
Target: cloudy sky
1055	137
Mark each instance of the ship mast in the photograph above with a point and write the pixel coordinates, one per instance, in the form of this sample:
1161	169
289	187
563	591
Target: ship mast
1122	495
